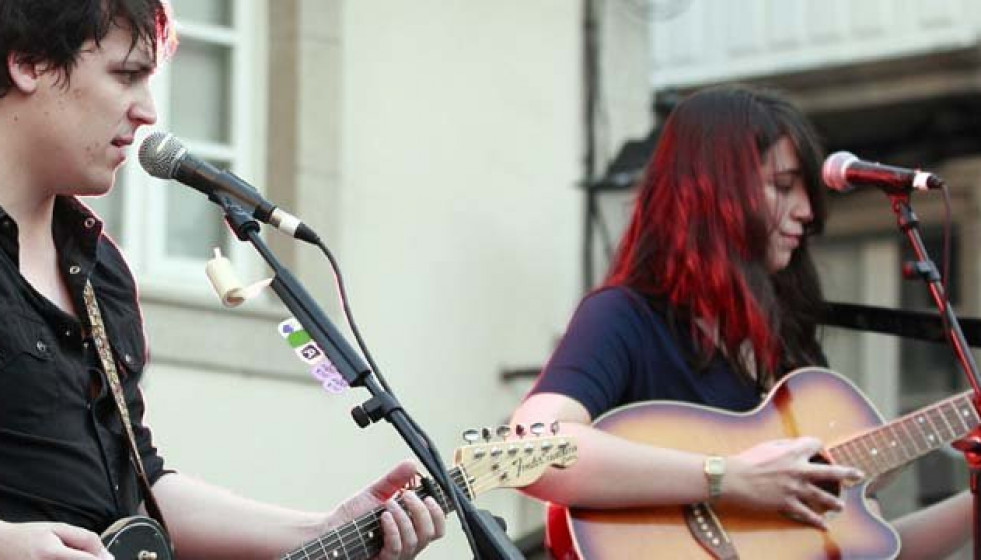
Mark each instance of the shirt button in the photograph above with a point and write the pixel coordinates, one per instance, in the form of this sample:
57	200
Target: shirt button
74	269
89	222
128	359
41	346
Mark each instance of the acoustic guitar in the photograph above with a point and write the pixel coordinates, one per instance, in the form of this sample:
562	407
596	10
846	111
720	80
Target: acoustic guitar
808	402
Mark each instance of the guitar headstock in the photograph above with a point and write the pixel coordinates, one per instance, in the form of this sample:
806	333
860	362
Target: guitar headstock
504	460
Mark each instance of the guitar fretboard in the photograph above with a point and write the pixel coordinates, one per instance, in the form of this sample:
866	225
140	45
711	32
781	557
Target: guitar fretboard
362	538
908	437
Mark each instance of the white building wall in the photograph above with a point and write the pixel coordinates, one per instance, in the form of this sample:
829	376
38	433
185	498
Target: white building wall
721	40
437	148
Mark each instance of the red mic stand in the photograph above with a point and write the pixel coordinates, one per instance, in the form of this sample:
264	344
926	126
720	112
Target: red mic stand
970	445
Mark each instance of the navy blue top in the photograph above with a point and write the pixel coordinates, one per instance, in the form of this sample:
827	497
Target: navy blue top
619	349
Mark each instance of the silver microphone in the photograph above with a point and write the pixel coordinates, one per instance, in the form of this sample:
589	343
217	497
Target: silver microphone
164	156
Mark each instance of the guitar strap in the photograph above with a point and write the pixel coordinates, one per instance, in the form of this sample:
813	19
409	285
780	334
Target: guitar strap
109	364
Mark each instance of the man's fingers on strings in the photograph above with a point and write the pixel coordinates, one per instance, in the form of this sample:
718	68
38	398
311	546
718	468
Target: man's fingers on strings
418	512
439	519
392	538
407	532
393	481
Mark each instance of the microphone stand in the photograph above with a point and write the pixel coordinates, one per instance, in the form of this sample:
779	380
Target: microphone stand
487	538
970	445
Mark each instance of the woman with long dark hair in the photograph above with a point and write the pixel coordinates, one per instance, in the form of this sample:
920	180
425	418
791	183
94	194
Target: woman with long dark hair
712	298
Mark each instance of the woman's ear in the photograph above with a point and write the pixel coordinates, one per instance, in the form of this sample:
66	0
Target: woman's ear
23	74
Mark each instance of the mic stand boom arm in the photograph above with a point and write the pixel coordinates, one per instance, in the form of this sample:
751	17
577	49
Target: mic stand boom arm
488	540
970	445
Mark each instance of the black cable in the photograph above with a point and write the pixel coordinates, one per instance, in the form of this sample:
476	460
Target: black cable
439	468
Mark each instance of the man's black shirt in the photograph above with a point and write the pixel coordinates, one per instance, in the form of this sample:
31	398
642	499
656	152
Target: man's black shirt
62	453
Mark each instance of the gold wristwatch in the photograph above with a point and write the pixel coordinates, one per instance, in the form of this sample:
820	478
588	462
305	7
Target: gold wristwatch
715	469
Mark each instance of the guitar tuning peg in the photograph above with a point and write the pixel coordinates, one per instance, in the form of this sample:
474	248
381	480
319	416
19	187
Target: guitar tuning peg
554	427
503	431
519	430
486	434
538	428
471	436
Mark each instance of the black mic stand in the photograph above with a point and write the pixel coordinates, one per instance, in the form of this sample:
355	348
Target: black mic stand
970	444
486	536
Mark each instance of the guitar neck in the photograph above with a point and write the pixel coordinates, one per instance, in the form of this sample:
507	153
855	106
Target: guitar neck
909	437
362	539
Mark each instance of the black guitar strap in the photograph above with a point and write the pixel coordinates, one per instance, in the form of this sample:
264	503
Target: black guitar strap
109	364
917	325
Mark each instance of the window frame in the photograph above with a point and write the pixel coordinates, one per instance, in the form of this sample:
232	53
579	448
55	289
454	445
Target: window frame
143	203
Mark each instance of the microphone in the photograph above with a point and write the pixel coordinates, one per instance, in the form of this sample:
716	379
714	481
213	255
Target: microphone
843	171
164	156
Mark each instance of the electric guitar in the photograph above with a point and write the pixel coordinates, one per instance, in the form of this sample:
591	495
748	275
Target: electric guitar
808	402
138	538
480	467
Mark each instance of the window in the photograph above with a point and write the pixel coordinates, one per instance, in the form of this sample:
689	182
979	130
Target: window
211	95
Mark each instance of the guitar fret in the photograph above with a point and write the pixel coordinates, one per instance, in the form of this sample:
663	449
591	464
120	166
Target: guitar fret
929	434
941	412
361	541
838	456
886	451
323	548
910	435
935	436
858	458
899	444
871	452
955	410
915	425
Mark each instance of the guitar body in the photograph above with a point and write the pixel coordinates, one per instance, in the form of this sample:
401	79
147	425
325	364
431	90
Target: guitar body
809	402
137	538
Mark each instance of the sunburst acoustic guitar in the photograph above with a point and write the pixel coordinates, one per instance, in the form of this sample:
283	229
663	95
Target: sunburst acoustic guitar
808	402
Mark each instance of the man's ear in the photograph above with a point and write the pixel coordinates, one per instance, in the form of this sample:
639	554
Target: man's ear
24	74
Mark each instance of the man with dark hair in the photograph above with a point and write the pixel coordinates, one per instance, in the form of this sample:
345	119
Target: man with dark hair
73	91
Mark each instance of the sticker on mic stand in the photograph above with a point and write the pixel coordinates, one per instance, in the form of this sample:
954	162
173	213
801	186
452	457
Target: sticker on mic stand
307	349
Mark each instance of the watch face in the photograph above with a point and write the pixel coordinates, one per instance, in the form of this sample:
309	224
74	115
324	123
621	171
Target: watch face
715	465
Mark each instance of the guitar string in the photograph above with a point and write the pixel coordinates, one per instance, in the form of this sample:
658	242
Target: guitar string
925	427
318	550
374	524
373	520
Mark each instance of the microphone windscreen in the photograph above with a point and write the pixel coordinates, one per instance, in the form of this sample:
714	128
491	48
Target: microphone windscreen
834	168
160	153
